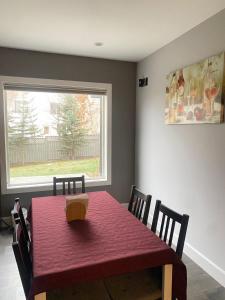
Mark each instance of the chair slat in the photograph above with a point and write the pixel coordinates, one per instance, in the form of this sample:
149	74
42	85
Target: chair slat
167	227
162	226
69	192
74	187
54	186
141	209
135	206
171	233
64	188
138	207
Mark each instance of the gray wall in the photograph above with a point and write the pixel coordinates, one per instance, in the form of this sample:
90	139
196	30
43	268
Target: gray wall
122	75
184	165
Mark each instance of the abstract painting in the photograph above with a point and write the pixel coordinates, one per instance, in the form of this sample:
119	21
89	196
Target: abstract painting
194	94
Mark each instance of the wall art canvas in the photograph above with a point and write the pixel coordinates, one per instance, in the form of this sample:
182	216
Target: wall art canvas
194	94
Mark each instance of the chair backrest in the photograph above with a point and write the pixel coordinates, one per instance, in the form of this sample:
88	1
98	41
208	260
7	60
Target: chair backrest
22	257
167	216
139	204
71	184
18	210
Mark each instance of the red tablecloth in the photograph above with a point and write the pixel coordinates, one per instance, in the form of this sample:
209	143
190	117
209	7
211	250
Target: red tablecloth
109	242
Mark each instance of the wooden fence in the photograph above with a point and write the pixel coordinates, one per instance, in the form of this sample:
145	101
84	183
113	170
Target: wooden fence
49	148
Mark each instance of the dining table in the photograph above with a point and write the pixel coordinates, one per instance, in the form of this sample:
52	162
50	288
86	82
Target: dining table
109	242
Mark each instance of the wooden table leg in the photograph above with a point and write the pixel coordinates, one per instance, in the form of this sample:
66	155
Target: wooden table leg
167	282
41	296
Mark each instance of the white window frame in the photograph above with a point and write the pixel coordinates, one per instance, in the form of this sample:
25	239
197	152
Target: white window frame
60	84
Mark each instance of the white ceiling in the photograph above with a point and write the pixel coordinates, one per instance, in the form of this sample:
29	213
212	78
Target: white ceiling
129	29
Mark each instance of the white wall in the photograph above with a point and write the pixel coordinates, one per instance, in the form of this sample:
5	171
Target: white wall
184	165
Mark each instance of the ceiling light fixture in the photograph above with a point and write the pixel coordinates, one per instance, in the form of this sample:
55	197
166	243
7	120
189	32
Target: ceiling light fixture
98	44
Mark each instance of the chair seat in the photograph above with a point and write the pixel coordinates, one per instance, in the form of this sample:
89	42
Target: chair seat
142	285
85	291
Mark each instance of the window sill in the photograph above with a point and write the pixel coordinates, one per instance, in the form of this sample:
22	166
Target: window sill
48	187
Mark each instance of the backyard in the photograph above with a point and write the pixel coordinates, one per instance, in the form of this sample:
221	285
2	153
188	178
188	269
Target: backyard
88	166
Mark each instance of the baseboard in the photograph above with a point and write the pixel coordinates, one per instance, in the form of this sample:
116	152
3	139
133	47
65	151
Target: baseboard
204	262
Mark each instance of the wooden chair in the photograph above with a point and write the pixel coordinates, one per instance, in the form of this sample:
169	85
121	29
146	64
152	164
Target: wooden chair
139	204
69	181
21	252
88	290
146	284
170	215
18	210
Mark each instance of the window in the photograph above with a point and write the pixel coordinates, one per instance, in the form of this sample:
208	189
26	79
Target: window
54	128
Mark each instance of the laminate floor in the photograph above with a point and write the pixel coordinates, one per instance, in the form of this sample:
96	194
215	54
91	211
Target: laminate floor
200	285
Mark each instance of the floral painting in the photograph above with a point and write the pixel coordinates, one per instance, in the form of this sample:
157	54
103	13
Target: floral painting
194	94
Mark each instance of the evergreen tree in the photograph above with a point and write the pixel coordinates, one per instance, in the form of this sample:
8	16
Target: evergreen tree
22	125
70	126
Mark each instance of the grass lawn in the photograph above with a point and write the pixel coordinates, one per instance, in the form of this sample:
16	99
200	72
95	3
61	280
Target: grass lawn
88	166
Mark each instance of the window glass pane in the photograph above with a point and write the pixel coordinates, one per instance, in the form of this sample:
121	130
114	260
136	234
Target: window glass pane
53	134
